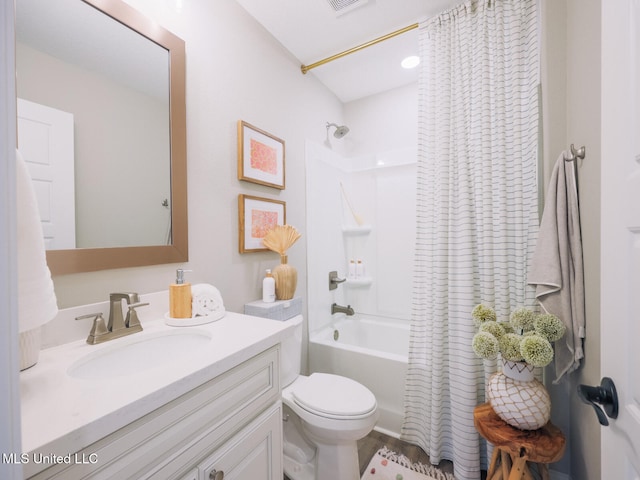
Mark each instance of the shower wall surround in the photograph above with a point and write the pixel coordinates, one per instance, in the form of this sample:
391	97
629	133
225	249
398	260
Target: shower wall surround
381	190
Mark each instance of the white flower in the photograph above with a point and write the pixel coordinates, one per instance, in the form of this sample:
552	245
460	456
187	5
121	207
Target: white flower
493	327
536	350
485	345
510	347
549	326
522	319
481	313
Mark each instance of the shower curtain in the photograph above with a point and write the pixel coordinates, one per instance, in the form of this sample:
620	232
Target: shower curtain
477	211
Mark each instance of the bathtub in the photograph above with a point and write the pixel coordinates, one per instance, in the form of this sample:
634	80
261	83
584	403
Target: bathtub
372	351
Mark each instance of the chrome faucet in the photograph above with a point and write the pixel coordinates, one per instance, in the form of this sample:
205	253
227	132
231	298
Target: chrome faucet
118	325
335	308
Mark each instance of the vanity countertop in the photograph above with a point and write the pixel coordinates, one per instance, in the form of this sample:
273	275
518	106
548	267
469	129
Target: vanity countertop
62	414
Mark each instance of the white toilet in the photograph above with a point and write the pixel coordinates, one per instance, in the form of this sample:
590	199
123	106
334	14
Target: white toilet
324	417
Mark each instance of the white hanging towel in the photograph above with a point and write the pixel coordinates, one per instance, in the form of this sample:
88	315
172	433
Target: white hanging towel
557	268
37	302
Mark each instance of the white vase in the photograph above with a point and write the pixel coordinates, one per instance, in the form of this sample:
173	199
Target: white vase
518	398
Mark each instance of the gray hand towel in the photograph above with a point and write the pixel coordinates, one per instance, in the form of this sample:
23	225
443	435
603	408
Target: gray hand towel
557	268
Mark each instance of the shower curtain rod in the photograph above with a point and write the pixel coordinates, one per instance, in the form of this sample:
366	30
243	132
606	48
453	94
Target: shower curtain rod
306	68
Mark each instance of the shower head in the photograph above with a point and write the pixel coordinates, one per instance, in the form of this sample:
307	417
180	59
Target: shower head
341	130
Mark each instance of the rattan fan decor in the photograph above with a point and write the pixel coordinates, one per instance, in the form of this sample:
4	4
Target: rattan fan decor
280	239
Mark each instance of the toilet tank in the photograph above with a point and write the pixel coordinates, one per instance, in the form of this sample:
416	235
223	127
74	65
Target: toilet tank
291	353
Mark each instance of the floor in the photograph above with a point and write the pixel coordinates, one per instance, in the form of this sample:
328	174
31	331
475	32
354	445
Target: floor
369	445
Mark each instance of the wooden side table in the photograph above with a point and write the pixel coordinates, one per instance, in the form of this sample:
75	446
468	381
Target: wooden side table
515	450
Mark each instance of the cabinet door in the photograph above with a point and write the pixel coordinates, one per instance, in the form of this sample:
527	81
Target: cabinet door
254	453
192	475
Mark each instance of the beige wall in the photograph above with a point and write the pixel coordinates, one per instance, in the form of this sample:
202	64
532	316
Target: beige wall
583	128
571	109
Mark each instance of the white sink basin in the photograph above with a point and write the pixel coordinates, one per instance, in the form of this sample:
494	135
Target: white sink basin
139	352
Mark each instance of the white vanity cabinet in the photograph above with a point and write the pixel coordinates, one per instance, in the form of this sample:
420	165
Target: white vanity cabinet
230	425
250	454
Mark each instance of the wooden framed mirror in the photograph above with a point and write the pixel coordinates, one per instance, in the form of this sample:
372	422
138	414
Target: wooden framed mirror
126	212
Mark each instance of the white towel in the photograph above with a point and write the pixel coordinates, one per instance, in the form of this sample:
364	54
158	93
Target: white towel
36	298
557	268
206	300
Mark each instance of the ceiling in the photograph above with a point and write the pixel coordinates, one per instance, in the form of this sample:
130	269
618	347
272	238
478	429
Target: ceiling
311	30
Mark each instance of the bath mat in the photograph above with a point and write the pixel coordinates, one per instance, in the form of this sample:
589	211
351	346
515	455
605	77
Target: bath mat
388	465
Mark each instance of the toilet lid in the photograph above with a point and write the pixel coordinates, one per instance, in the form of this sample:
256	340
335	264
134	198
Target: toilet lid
334	395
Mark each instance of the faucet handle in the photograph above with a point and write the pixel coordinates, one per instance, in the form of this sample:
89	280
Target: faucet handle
334	280
132	316
97	329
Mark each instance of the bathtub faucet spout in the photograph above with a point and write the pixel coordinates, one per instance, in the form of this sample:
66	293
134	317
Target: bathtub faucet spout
335	308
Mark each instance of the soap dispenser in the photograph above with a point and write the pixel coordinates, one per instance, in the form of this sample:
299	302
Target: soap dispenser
180	297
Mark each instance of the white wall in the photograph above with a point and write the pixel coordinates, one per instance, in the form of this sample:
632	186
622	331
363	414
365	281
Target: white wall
384	122
235	70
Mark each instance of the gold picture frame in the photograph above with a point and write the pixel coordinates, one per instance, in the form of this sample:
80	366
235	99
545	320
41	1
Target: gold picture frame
256	216
261	157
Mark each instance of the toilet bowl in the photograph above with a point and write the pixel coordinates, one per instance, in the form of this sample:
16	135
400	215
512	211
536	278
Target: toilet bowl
324	417
331	413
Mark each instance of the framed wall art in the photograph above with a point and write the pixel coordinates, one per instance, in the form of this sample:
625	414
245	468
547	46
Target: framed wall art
256	216
260	156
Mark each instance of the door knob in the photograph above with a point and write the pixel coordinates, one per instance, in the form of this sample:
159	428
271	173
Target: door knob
604	395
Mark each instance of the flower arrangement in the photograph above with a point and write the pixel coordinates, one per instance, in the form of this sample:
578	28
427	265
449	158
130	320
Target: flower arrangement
526	337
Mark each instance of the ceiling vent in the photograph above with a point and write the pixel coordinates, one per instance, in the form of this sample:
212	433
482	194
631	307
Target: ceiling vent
340	7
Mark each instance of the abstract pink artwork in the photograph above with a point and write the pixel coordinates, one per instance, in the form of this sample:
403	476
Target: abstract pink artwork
256	216
264	157
260	156
261	222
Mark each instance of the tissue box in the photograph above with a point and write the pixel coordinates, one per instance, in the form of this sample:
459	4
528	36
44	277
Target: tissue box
278	310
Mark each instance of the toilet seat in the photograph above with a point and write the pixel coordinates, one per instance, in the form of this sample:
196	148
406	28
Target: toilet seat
334	396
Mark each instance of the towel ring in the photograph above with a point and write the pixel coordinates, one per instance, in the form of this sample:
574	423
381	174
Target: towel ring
579	153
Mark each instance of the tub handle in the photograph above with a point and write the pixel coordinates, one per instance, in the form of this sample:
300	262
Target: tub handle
334	280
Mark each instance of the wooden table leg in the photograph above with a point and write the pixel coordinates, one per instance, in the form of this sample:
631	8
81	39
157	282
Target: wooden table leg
527	473
519	470
506	464
493	467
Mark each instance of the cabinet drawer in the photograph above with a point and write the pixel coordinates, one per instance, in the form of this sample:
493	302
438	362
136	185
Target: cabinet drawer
173	438
254	453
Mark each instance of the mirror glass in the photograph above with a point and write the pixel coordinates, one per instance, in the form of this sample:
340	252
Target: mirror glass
101	126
